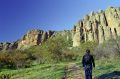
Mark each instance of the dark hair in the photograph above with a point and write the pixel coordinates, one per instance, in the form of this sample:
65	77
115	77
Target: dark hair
88	51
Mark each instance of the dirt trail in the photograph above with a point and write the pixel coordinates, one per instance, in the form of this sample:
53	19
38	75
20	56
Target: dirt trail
73	71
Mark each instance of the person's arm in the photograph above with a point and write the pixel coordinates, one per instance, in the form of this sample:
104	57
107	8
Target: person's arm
93	61
83	61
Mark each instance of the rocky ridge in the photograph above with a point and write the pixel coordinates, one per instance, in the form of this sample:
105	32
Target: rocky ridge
99	26
32	38
8	46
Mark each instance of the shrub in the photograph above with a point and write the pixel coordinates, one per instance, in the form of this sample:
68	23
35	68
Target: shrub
5	76
14	59
69	55
109	49
76	53
50	51
87	45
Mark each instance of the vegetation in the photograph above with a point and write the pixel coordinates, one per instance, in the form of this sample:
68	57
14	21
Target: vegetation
14	59
43	71
50	51
48	60
108	50
105	69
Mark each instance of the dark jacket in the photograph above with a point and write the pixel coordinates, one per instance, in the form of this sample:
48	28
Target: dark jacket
88	60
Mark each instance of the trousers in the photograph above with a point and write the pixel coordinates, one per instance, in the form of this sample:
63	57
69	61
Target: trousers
88	71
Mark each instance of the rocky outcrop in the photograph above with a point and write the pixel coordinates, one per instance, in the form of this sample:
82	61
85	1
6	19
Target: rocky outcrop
99	26
34	37
8	46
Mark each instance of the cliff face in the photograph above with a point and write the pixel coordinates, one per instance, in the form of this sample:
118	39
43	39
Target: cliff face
99	26
8	46
34	37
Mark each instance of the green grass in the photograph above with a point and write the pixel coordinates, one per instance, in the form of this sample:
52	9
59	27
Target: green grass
107	67
56	71
46	71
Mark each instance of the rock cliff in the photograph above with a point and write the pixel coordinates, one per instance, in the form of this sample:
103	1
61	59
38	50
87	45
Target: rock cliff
8	46
99	26
32	38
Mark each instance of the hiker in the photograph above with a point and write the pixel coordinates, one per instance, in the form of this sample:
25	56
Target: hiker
88	64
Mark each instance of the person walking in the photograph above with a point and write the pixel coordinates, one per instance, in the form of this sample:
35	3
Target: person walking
88	64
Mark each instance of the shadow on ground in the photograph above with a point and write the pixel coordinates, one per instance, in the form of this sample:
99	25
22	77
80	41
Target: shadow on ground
112	75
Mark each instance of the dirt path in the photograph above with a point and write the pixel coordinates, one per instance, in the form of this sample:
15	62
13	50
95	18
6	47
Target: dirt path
73	71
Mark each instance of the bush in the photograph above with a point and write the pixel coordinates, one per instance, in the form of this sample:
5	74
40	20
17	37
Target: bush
87	45
109	49
54	50
69	55
5	76
50	51
14	59
76	53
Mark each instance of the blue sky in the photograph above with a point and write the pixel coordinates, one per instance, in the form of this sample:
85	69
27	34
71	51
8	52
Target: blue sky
19	16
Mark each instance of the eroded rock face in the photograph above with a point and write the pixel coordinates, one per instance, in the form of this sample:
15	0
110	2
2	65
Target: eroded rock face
34	37
8	46
99	26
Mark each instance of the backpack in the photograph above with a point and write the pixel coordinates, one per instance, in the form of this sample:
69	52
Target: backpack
87	59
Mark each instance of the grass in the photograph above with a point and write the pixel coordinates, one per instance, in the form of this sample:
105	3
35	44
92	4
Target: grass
46	71
107	67
56	71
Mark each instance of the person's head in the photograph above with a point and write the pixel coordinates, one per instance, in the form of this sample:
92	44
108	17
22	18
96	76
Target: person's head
88	51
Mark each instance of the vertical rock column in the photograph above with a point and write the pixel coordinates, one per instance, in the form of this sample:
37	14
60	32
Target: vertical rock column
76	37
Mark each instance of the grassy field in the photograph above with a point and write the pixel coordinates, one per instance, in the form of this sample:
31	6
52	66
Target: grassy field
105	69
46	71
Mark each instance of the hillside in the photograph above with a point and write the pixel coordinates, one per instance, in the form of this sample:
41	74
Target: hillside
57	54
97	26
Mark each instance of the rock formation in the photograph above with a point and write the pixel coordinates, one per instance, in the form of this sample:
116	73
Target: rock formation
34	37
99	26
8	46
